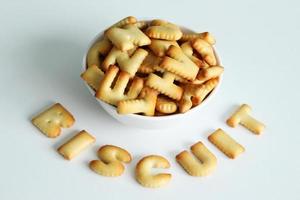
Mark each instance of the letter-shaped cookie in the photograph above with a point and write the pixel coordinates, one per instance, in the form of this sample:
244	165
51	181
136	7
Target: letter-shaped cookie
160	47
177	78
115	94
143	171
209	73
110	163
76	144
207	164
189	51
165	85
126	63
141	24
92	76
125	21
180	64
204	36
100	47
53	119
144	104
242	116
165	105
160	29
149	64
226	144
205	50
127	37
194	94
205	89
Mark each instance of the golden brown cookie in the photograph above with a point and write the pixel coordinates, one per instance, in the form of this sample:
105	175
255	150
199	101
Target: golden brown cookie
205	50
76	145
194	94
113	95
160	47
98	49
92	76
165	85
127	61
178	63
165	105
205	164
226	144
143	171
127	37
242	116
111	161
144	104
204	36
53	119
160	29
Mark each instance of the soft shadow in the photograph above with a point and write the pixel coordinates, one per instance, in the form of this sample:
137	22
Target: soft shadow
57	63
40	110
207	133
228	112
131	167
64	137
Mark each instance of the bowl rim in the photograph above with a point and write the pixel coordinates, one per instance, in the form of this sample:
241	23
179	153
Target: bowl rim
107	106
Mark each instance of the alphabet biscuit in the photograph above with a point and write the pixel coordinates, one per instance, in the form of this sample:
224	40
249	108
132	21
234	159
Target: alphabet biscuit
160	29
165	85
194	94
143	171
126	62
144	104
98	49
92	76
75	145
242	116
111	159
165	105
209	73
205	50
159	47
204	36
189	51
178	63
226	144
127	37
205	164
53	119
150	63
125	21
113	95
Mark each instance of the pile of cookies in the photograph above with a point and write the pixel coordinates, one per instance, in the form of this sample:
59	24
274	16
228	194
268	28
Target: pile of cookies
111	158
152	68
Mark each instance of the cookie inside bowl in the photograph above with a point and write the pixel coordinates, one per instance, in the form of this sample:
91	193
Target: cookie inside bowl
151	69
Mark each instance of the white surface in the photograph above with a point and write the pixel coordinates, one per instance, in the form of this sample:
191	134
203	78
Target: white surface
40	57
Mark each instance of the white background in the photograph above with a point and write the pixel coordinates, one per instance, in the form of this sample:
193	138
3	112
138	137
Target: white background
41	47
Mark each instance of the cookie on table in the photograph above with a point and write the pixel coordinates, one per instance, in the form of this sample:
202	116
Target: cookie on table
53	119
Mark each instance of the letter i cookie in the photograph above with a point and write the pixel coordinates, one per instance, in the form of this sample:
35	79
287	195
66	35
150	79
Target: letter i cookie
76	144
226	144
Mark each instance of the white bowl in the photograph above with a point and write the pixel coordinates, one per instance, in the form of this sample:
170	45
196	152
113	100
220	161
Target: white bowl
148	122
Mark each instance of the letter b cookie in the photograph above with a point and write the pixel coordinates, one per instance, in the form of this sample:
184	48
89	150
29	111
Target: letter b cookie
53	119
